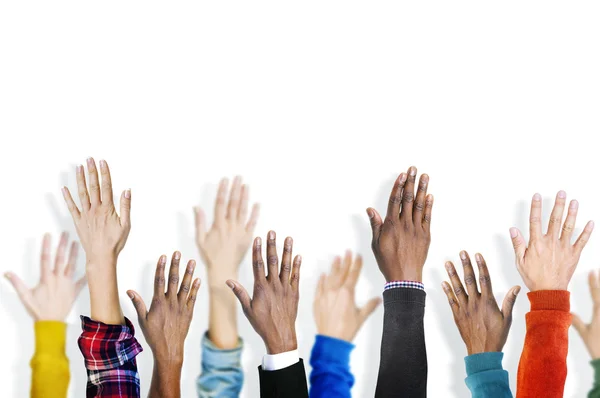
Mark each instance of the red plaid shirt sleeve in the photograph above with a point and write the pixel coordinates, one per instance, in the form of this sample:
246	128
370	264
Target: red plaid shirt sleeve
109	353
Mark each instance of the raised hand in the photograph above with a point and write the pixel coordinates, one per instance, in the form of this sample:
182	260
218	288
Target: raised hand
549	260
336	314
401	241
223	246
590	333
273	307
166	324
54	295
483	326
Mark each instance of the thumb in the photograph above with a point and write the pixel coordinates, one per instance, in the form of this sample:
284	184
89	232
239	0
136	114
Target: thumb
369	308
125	208
240	293
22	291
138	304
375	220
518	243
509	302
578	324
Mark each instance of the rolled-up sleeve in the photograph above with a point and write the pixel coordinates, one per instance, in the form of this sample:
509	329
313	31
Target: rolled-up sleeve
222	374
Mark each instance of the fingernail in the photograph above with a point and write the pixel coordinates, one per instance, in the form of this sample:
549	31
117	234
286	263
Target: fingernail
258	242
369	213
177	255
463	255
517	290
562	194
402	177
230	284
574	204
90	161
163	259
131	295
591	224
537	197
271	235
299	258
79	168
513	232
448	265
7	275
102	163
412	171
128	193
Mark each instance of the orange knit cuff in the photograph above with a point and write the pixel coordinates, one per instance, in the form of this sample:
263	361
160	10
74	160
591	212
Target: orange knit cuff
557	300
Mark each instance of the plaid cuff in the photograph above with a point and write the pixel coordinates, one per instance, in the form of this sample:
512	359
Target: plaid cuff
405	284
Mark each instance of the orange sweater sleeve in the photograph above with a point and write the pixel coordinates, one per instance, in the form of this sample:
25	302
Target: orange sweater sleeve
543	365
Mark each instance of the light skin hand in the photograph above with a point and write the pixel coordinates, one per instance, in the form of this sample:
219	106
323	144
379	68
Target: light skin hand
103	234
222	249
401	241
273	308
549	261
53	297
336	313
482	325
590	333
166	324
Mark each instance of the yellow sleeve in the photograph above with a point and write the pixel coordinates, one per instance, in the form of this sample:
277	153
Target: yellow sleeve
50	365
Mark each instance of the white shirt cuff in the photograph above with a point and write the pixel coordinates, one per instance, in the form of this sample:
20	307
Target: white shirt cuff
280	361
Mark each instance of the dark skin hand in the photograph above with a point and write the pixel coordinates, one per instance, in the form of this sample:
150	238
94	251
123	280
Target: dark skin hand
401	241
482	325
273	307
166	325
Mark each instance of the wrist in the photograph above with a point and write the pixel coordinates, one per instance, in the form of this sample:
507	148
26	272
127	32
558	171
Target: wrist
100	263
281	345
406	275
216	280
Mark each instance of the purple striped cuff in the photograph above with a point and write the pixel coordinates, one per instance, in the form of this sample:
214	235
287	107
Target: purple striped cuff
405	284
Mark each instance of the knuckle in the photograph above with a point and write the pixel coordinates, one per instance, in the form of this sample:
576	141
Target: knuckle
419	206
287	267
258	264
535	220
427	218
272	259
159	280
484	280
287	248
395	199
469	280
185	288
568	227
174	279
408	197
458	291
554	220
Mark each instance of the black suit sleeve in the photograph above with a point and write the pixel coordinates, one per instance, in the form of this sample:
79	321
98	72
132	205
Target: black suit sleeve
288	382
403	365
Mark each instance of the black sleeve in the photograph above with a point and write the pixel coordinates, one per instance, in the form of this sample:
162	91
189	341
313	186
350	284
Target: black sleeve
288	382
403	365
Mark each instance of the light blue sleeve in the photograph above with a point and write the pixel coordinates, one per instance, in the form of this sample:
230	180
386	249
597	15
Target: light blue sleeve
485	376
222	375
330	376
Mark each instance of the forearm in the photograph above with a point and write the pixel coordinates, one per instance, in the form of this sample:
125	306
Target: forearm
222	318
104	292
403	364
543	365
330	361
166	379
486	377
49	365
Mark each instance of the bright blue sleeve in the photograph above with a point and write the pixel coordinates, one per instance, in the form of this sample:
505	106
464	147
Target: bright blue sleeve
485	376
330	376
222	374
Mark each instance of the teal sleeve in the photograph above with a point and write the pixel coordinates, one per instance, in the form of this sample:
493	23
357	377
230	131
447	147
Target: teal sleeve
485	376
222	374
595	391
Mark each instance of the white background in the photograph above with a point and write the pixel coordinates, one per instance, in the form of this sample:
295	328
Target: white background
319	105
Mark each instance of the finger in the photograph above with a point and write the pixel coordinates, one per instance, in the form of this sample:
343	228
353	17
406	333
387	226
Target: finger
569	225
220	205
594	288
454	305
286	261
242	211
193	296
295	280
369	308
485	282
139	305
320	286
186	283
59	259
419	207
125	215
106	187
346	265
80	284
584	237
272	259
535	217
557	214
469	274
45	261
234	198
457	286
258	266
393	211
82	190
578	324
200	219
241	294
159	278
72	261
427	213
173	275
22	291
509	302
333	279
253	218
518	243
408	195
376	223
94	182
354	272
70	204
